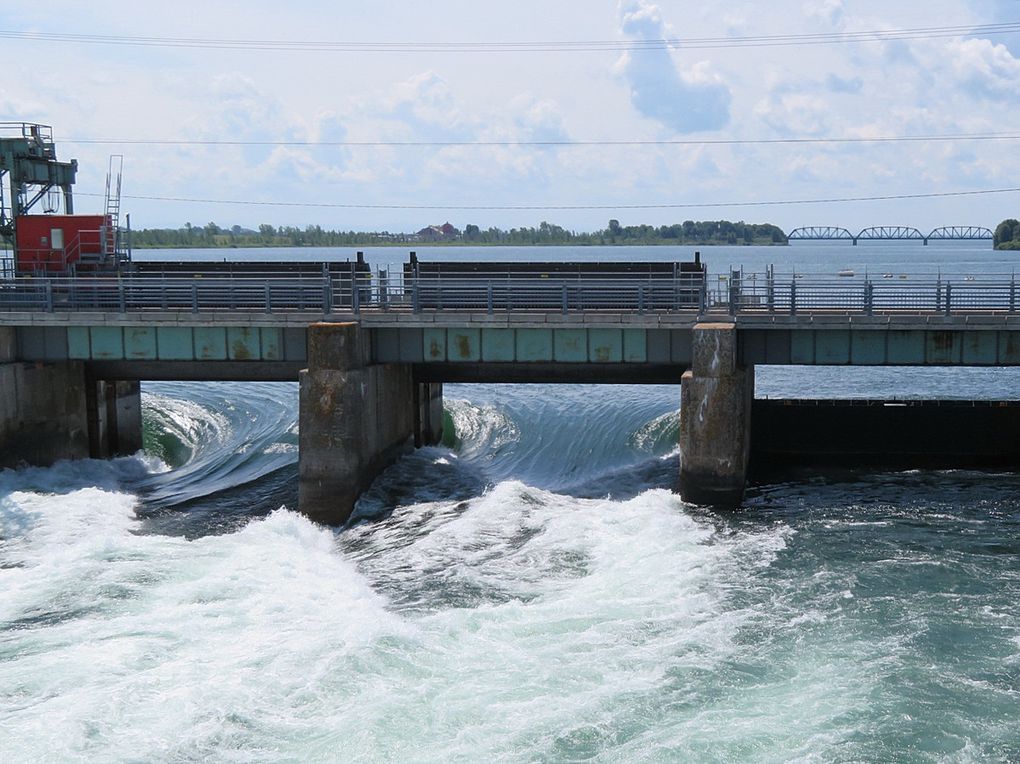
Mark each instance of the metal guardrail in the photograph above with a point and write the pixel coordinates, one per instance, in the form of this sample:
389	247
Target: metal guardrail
389	291
933	294
384	291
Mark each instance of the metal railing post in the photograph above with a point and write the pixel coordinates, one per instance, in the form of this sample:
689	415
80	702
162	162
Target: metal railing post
734	294
355	295
488	298
566	303
327	293
949	292
120	295
269	298
770	290
793	297
938	295
1012	295
869	289
194	297
702	295
641	299
49	295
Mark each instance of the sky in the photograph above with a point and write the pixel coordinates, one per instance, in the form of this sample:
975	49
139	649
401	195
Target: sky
968	83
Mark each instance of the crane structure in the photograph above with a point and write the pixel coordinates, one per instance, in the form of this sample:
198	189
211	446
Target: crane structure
37	213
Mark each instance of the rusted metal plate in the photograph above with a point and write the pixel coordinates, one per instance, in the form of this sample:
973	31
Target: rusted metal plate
943	347
463	345
210	343
534	345
107	343
570	345
605	345
434	344
140	343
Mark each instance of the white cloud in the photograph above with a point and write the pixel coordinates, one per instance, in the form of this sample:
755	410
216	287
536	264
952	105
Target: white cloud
827	12
685	100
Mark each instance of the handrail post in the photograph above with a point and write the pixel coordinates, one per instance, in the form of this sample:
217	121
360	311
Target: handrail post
355	295
702	294
1012	295
868	297
938	295
734	293
793	297
327	292
641	299
770	287
269	298
120	294
49	294
566	304
949	292
415	296
194	297
488	298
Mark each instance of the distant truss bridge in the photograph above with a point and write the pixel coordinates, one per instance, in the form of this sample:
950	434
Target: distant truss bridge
891	233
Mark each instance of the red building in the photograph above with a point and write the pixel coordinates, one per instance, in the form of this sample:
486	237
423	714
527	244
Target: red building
56	243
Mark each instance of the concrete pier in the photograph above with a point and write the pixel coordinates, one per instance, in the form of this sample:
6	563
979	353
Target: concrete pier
429	429
114	413
356	419
56	410
42	413
715	418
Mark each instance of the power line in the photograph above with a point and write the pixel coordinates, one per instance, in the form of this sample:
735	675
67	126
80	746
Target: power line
547	143
540	46
567	207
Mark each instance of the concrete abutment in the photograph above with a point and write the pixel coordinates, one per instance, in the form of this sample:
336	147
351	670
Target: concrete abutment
715	419
356	418
53	411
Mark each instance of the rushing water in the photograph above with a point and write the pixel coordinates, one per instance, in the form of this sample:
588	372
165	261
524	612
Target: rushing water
532	592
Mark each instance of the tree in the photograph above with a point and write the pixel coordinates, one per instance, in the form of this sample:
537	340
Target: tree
1006	231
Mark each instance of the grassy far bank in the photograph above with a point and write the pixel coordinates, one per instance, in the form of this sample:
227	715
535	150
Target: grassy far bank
1007	234
705	233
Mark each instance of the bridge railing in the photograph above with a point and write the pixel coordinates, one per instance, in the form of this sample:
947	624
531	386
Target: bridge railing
381	292
889	294
777	293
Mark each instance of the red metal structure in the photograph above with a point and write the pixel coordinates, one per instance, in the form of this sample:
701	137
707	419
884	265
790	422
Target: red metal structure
62	243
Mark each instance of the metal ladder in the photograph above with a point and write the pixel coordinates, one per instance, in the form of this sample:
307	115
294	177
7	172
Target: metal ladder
113	183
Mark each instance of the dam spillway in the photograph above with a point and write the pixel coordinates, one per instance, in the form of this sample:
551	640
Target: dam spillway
373	352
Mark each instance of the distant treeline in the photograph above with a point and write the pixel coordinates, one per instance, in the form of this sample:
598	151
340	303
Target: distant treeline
1007	234
688	232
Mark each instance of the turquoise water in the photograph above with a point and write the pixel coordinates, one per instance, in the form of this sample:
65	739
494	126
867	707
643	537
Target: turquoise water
535	594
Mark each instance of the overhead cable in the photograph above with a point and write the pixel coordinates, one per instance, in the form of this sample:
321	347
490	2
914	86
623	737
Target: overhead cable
536	46
567	207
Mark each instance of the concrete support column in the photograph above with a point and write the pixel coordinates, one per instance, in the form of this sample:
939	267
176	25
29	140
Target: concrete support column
42	412
127	436
356	418
715	419
429	429
114	411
